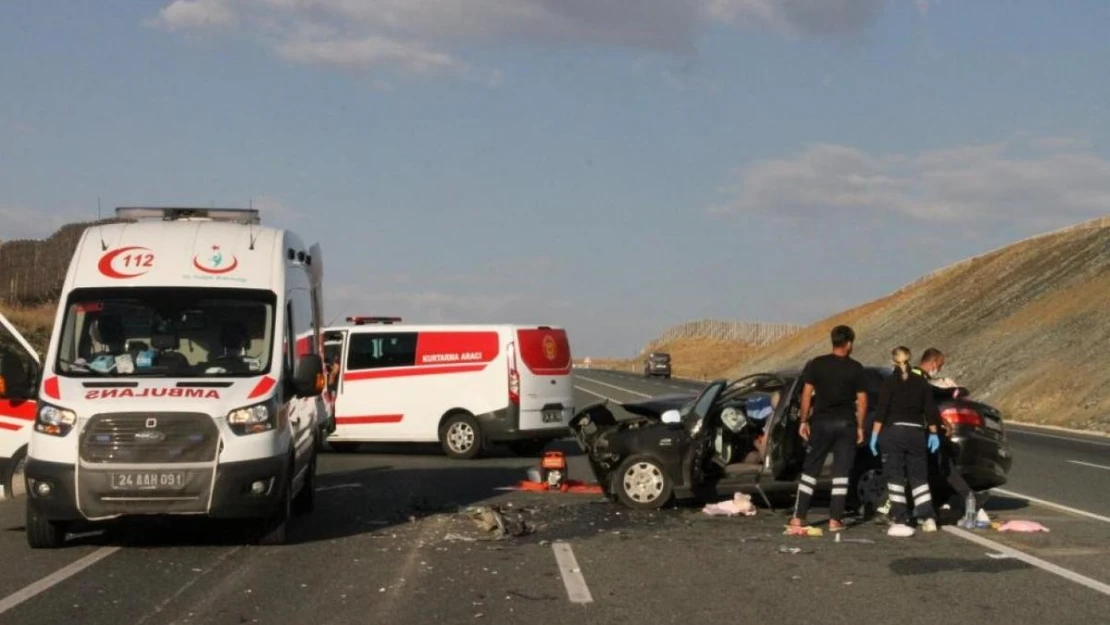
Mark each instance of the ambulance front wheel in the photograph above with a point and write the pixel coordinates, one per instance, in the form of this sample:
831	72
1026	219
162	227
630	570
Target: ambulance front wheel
43	533
461	436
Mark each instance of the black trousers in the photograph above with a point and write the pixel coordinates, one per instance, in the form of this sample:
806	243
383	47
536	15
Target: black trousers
905	454
836	435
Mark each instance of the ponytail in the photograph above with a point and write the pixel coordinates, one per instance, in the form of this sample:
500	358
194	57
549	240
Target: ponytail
901	357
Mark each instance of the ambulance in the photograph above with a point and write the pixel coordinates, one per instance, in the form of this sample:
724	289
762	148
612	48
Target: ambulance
463	386
19	367
173	383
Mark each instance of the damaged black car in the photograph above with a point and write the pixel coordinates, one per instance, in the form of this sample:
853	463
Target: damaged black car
742	436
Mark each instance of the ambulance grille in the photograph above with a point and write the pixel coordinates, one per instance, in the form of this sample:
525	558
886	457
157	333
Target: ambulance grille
149	437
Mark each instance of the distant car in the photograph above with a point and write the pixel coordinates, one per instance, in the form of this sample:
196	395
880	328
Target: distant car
657	364
704	445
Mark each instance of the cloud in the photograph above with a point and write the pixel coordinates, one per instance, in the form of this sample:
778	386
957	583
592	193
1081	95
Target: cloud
18	222
1038	180
438	306
923	7
430	37
797	17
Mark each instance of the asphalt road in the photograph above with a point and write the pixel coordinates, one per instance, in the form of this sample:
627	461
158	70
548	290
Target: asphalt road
388	545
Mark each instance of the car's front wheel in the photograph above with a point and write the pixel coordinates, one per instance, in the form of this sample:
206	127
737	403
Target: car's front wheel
643	483
869	490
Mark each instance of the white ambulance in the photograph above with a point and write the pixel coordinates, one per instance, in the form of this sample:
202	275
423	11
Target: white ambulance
464	386
174	383
19	367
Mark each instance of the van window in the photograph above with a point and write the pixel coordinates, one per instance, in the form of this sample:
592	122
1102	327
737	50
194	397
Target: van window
375	351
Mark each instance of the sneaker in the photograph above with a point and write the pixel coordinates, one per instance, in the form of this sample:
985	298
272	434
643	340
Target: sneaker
900	530
929	526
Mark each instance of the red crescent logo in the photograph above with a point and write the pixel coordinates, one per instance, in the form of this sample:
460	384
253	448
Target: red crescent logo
550	348
142	265
228	269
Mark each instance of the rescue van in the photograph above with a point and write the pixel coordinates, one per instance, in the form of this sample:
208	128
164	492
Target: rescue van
464	386
173	383
19	368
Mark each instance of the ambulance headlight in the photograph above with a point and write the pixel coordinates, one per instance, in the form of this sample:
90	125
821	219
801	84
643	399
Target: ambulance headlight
253	419
54	421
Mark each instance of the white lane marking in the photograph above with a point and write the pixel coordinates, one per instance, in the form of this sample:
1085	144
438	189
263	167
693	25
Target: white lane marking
1028	559
1051	504
55	578
586	390
1015	430
161	607
1088	464
324	489
577	590
613	386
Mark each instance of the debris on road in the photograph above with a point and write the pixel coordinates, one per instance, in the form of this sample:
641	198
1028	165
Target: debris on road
809	531
491	519
1022	526
740	505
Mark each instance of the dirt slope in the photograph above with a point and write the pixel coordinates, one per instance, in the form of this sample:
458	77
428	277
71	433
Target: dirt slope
1027	328
696	358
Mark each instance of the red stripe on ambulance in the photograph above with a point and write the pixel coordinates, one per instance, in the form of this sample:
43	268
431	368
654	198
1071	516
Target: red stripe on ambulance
25	410
443	348
378	374
10	426
370	419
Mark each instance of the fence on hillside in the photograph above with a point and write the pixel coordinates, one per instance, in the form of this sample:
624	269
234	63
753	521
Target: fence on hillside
32	271
752	333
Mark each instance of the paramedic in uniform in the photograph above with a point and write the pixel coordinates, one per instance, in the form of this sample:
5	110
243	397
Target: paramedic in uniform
906	410
835	389
932	361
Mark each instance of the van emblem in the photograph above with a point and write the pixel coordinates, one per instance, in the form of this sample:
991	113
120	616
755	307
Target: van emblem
126	262
550	349
214	263
152	422
147	436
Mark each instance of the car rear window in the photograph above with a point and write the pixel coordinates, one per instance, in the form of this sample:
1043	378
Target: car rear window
544	352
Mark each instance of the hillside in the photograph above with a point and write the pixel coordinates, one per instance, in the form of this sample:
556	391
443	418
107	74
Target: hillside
1025	327
703	348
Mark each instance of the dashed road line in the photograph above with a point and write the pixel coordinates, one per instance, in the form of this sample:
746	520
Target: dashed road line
999	548
1088	464
577	590
613	386
31	591
595	394
1071	439
1052	504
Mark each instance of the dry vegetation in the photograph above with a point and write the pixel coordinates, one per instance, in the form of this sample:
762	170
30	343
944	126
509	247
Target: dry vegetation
34	323
694	358
1025	328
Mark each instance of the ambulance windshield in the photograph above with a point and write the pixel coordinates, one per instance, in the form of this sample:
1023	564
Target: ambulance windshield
167	332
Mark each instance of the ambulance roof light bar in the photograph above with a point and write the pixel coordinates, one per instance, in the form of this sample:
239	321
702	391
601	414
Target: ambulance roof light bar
246	216
358	321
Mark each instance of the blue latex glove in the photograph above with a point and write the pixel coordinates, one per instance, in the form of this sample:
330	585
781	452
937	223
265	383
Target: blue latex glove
934	443
874	444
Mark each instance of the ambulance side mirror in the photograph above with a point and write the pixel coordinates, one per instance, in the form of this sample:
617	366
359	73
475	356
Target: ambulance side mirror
15	380
308	376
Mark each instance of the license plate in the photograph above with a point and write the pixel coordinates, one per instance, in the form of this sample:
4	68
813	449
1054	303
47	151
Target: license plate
148	480
552	416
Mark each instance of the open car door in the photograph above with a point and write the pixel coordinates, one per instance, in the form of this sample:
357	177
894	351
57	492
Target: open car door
785	447
19	369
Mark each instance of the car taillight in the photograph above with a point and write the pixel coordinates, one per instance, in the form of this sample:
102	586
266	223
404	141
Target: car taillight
962	416
514	376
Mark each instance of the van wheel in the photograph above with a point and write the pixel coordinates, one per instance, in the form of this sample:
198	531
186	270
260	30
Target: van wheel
305	501
642	483
275	529
461	436
44	534
15	484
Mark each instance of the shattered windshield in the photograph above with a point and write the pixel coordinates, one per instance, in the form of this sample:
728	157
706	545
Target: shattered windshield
167	332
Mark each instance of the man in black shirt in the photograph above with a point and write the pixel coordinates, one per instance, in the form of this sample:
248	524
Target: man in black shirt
835	389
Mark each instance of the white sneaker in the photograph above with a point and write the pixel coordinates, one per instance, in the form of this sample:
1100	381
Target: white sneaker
899	530
928	526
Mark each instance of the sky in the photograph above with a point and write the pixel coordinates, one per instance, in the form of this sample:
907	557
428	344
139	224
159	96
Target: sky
612	166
